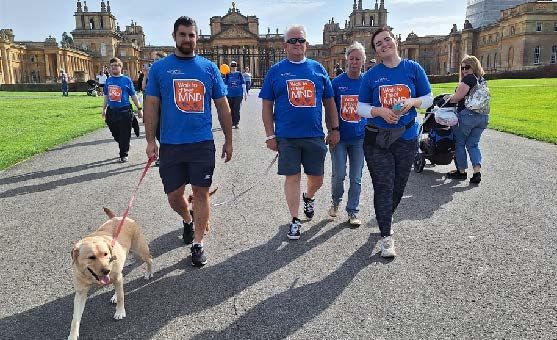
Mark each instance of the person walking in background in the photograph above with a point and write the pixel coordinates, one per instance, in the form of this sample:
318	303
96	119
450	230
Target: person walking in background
293	93
117	110
236	91
346	88
338	70
389	95
372	63
181	86
471	124
140	77
64	81
247	78
101	80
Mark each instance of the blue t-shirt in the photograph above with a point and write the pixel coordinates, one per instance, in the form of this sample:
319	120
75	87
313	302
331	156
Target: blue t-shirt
118	90
185	87
346	91
384	86
234	81
298	91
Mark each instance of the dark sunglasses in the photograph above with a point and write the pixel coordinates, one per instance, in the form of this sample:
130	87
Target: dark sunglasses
295	40
467	67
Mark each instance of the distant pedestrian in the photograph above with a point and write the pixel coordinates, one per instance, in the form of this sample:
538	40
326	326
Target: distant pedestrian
101	80
350	148
338	70
372	63
247	78
140	77
471	124
117	110
64	81
236	91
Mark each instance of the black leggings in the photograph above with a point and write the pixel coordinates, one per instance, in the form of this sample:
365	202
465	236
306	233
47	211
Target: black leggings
389	170
235	104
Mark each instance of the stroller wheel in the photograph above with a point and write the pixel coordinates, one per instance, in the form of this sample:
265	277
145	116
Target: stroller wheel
419	163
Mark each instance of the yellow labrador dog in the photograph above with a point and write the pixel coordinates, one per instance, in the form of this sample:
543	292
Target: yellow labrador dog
96	262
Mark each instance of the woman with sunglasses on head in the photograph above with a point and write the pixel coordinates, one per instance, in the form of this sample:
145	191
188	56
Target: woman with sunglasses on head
470	124
390	93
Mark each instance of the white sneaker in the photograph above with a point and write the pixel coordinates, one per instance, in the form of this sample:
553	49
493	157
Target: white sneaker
354	220
333	210
388	247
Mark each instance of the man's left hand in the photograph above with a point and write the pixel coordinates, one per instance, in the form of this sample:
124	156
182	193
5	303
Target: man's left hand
140	113
332	138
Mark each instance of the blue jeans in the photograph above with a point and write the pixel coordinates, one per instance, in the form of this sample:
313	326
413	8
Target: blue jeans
354	150
467	137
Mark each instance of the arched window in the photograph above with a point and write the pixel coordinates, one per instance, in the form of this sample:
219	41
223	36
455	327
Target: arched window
91	24
371	21
510	57
553	54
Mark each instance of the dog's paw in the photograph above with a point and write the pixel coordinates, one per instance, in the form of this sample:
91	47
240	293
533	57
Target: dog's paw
149	270
148	275
113	299
119	315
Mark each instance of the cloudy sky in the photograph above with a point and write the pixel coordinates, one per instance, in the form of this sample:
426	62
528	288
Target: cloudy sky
34	20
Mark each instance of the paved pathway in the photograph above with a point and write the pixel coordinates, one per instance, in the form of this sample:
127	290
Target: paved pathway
474	262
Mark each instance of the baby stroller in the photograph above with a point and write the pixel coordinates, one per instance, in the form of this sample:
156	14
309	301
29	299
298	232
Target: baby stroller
435	141
93	89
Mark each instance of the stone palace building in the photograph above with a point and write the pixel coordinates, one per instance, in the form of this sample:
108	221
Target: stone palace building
524	37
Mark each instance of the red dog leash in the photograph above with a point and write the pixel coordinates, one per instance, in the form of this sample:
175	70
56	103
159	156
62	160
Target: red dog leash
119	227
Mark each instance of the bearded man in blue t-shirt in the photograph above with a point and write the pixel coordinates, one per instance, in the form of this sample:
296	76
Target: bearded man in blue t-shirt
293	93
182	86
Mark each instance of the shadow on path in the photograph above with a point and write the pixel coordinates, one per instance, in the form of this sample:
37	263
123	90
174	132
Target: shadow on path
150	305
30	189
283	314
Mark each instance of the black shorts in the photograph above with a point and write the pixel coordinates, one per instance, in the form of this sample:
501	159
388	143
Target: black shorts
182	164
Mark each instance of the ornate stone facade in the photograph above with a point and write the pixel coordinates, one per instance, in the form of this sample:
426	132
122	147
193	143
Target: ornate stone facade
525	37
97	38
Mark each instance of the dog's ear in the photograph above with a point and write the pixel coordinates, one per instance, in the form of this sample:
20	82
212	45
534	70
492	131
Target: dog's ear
75	253
109	212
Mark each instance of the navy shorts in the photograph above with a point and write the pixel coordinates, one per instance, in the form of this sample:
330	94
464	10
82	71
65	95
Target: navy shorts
294	152
181	164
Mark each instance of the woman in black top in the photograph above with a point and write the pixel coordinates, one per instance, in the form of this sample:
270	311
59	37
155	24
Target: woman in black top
470	123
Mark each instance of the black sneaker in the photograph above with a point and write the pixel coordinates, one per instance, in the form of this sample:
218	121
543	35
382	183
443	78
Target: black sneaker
457	175
294	231
198	257
476	178
123	159
188	232
309	204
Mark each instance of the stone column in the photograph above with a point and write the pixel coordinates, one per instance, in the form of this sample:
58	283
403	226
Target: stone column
5	66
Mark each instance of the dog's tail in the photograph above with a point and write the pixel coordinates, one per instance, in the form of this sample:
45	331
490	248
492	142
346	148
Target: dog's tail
109	213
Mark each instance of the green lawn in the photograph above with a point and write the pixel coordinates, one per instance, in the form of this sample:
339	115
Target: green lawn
33	122
522	107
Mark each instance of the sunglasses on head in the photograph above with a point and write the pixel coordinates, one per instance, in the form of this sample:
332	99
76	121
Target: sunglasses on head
467	67
295	40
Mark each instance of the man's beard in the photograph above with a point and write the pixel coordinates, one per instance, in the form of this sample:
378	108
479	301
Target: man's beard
185	49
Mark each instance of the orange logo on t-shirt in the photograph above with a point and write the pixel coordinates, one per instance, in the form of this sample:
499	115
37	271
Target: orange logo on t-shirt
349	108
301	92
114	93
390	94
189	95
